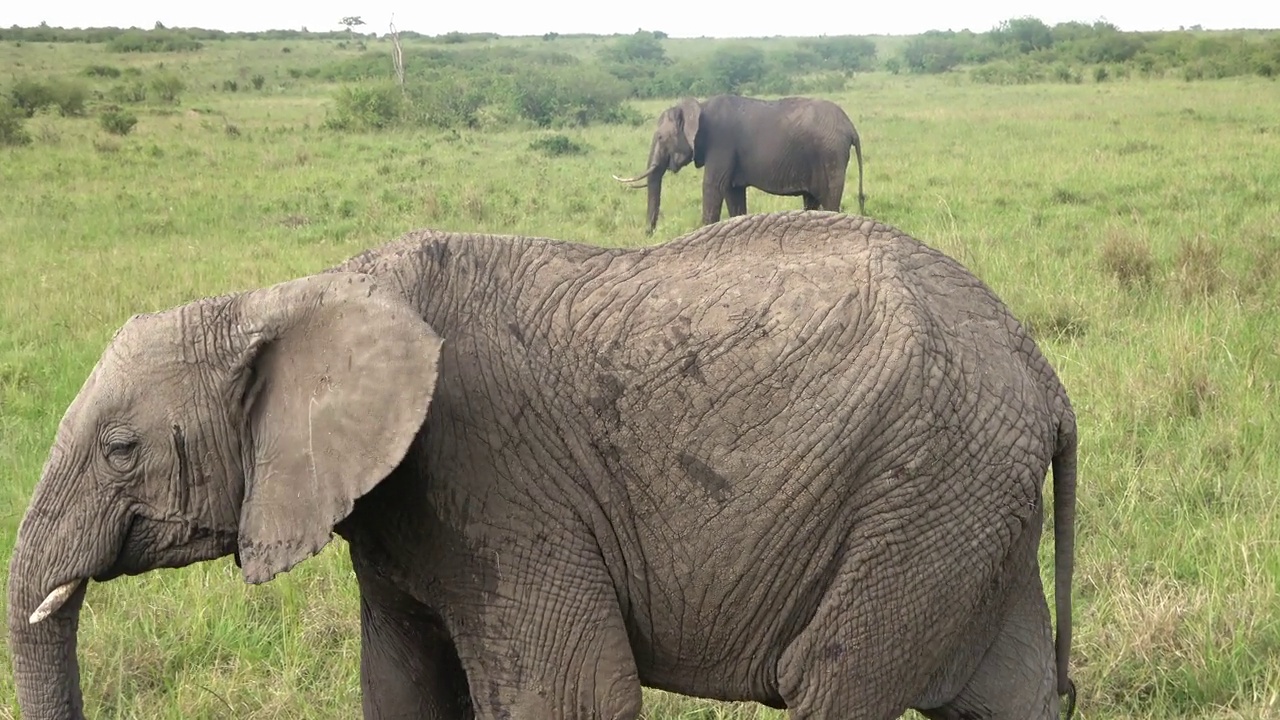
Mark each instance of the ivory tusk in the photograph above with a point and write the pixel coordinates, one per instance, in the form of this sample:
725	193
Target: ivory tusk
641	176
55	600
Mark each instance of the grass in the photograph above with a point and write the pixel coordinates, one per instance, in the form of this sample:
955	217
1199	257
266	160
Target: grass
1132	225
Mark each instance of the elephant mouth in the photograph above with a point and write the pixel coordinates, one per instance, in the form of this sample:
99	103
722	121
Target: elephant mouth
150	544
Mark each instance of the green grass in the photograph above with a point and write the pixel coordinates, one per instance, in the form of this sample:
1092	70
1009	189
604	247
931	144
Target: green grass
1132	224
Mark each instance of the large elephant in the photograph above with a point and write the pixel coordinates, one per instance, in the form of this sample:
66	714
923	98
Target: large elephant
791	458
792	146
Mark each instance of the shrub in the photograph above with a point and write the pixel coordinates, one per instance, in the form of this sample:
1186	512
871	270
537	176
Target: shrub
557	145
1064	73
733	67
29	95
68	95
12	133
846	52
133	92
548	98
168	87
258	81
1004	72
117	122
107	71
1129	259
446	103
153	41
366	107
831	82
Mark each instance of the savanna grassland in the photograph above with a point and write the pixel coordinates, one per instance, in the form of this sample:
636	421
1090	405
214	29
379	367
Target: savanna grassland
1131	219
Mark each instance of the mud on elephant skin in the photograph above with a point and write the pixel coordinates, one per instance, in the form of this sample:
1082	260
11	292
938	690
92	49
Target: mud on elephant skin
794	459
790	146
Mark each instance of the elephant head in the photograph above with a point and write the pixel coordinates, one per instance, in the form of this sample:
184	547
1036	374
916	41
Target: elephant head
246	424
674	145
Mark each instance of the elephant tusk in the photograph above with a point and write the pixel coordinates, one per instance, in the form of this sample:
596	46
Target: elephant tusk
641	176
55	600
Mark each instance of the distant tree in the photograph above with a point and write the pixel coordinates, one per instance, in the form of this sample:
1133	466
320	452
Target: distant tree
733	66
1025	34
840	52
351	21
642	47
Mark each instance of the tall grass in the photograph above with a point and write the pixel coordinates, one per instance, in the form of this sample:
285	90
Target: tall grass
1132	224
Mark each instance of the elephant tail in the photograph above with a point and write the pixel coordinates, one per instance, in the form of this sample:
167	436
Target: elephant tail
857	149
1064	540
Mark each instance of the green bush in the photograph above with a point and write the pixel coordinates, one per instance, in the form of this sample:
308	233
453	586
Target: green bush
29	96
141	41
1006	72
132	92
69	95
1065	73
168	87
12	133
732	68
447	102
258	81
548	98
106	71
372	106
557	145
846	53
117	122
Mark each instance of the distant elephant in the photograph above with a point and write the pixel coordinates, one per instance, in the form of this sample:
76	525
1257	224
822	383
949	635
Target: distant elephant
790	458
792	146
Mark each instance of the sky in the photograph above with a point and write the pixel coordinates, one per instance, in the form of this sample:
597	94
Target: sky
678	18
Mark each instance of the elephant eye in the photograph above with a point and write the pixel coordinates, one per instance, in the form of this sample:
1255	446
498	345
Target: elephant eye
119	449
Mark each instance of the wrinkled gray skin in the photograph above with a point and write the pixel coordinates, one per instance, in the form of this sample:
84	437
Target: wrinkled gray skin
792	146
792	458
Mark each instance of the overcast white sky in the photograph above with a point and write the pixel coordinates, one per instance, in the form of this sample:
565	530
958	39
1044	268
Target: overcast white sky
678	18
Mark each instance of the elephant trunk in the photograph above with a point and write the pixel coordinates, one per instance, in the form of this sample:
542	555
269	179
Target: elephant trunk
45	667
655	200
658	162
66	537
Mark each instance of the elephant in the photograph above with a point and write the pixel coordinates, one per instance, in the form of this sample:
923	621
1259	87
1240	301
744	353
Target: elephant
791	458
791	146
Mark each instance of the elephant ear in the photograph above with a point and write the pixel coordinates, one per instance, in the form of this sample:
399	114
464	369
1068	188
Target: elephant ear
337	374
690	116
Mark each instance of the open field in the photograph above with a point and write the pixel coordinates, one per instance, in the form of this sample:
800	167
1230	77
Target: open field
1134	225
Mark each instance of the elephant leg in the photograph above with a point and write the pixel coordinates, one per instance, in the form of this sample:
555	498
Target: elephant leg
557	647
835	194
713	197
736	199
901	600
831	197
408	665
1016	676
810	202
